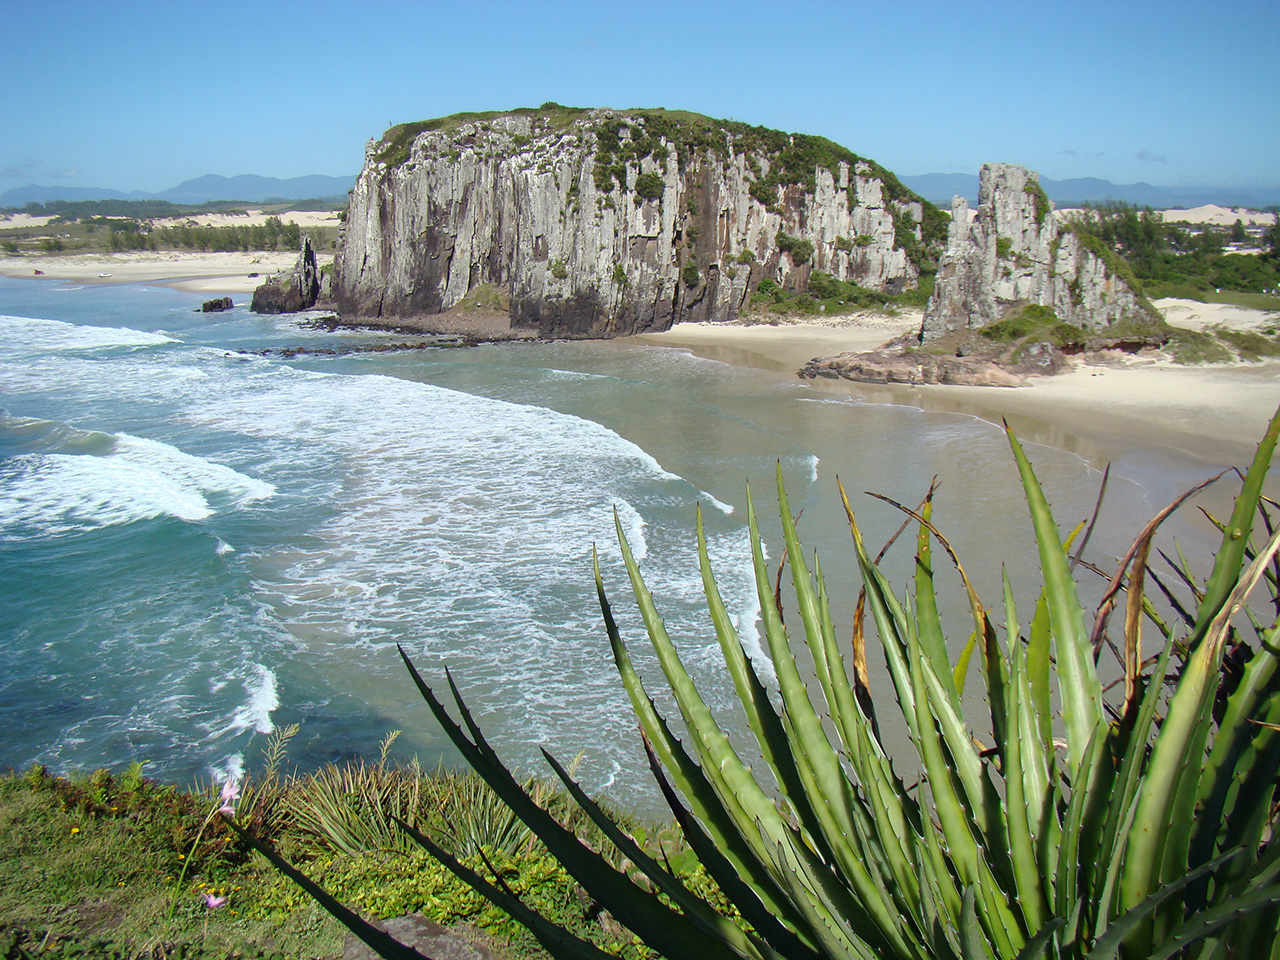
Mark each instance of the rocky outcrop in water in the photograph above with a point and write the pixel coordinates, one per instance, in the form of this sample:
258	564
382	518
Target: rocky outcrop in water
299	289
1016	252
602	223
216	305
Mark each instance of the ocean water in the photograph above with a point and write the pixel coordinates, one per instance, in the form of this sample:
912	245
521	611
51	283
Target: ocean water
200	543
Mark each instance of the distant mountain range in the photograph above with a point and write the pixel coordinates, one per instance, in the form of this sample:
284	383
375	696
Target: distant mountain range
247	187
936	187
939	188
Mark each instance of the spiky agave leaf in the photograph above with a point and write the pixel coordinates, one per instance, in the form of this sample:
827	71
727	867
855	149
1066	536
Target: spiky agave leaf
1087	855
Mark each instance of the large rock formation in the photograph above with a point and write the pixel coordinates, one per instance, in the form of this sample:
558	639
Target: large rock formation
1016	252
600	223
293	291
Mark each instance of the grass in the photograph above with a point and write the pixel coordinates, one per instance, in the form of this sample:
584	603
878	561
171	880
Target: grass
485	298
1249	344
832	297
1196	346
94	865
1254	301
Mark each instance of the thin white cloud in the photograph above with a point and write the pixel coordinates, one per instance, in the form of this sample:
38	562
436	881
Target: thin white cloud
20	171
65	174
1146	156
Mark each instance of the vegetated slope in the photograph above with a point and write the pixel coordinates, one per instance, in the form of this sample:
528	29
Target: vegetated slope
1014	252
606	222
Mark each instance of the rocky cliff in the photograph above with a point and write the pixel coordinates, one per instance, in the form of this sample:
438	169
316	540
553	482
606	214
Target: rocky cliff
1016	252
293	291
602	222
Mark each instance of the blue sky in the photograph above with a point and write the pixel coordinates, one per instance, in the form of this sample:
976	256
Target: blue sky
140	96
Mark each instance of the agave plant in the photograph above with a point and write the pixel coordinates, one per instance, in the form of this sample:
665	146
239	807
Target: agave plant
1059	825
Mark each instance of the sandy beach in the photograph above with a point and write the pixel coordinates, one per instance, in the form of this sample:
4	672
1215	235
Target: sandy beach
193	272
1214	413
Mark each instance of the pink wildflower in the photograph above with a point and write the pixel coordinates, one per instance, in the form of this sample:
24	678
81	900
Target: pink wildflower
212	902
230	794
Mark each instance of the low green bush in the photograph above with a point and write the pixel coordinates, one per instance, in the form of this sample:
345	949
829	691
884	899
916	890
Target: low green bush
799	250
1248	344
1196	346
650	186
1026	321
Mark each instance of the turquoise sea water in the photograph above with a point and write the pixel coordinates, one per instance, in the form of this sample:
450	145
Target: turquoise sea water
199	545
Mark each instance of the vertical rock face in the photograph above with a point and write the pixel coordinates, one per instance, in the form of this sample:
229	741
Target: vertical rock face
601	223
293	291
1016	252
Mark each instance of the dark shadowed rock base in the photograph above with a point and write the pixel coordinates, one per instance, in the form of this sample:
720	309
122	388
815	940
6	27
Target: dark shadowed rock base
217	305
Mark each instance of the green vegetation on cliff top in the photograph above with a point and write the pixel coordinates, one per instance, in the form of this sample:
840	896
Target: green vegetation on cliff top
793	157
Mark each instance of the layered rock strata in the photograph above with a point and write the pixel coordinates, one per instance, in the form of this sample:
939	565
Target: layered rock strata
601	223
290	292
1016	252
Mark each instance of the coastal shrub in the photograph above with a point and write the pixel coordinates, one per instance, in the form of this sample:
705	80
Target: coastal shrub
559	270
1043	206
799	250
1026	321
1070	821
1249	344
764	191
1196	347
863	240
1004	248
690	274
844	244
745	256
832	296
650	186
906	240
620	276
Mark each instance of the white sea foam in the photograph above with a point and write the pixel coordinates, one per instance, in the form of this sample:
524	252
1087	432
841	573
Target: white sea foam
34	335
223	548
633	527
462	526
263	698
232	769
137	479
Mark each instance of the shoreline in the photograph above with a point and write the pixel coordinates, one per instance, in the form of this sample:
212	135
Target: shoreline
1215	414
192	272
1211	413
